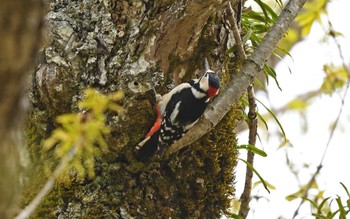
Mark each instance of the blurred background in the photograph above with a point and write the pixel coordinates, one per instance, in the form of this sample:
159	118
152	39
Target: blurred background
313	86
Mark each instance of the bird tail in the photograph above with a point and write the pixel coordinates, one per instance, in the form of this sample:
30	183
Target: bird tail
147	148
150	145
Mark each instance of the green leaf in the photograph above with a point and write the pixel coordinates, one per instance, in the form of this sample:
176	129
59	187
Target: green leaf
319	216
292	197
297	104
314	204
259	84
312	12
253	149
270	15
280	3
247	36
270	71
335	79
275	118
235	216
269	185
300	193
341	208
320	206
283	51
255	16
261	118
346	189
244	101
257	173
332	215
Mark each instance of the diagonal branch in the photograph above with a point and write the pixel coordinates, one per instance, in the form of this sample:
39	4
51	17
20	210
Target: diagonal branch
224	102
49	185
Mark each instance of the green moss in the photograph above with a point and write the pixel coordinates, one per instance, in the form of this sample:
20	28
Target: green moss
208	178
194	183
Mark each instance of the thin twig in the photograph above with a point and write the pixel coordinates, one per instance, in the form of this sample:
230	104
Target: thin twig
253	129
253	121
239	14
320	165
228	97
46	189
236	34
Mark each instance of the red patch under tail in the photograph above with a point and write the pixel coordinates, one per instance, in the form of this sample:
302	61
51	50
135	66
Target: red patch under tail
157	123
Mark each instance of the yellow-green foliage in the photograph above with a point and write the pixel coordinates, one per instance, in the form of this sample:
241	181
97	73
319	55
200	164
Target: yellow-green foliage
312	12
75	141
335	79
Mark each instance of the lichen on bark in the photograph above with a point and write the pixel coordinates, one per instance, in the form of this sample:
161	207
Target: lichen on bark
122	45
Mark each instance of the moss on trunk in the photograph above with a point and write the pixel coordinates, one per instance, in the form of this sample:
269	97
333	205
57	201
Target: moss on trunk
197	182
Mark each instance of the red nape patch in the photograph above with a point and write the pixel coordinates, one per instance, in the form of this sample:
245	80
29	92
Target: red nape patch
157	124
212	91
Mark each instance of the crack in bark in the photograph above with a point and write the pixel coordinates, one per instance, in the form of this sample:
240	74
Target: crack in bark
169	43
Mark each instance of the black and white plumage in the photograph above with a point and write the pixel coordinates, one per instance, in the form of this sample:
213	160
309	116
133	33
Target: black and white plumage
177	112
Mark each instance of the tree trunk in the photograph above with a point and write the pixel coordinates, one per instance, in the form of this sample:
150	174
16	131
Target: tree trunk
20	31
130	46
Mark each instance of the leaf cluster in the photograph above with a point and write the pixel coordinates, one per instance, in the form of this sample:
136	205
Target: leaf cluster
256	23
322	205
312	12
80	136
335	79
254	26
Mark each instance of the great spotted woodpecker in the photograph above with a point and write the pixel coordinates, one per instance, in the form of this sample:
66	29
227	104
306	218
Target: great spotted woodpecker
177	112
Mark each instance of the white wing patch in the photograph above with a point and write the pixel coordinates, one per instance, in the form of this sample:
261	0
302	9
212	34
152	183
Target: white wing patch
175	113
166	98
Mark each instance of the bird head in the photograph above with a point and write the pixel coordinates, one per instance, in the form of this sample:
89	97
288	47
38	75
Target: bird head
210	83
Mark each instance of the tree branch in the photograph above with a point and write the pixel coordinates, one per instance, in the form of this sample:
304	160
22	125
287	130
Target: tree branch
46	189
253	129
253	121
224	102
236	34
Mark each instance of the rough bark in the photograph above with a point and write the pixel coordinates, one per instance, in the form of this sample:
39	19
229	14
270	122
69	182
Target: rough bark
20	31
130	46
